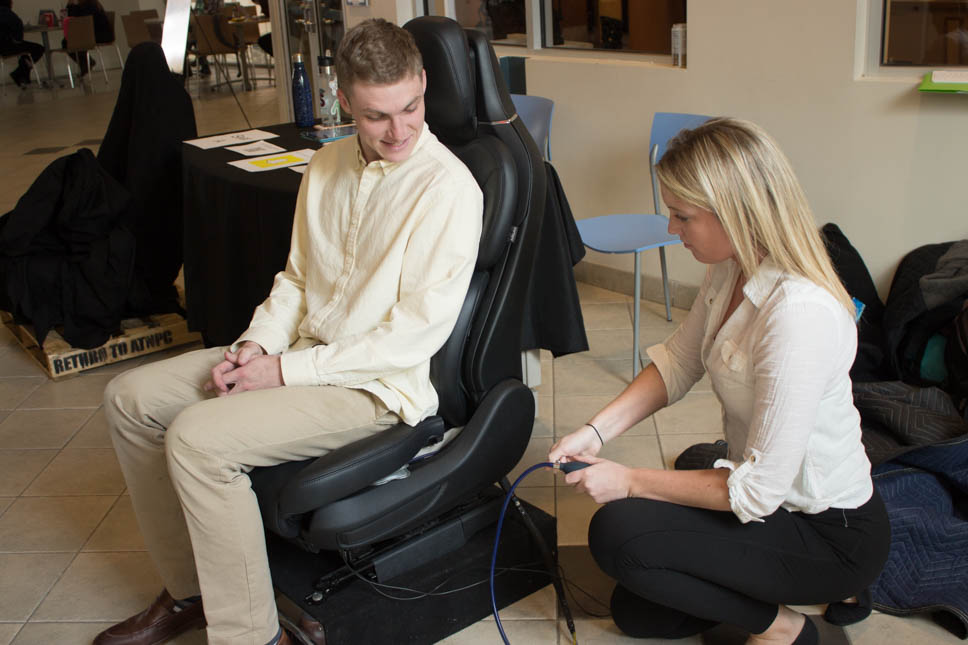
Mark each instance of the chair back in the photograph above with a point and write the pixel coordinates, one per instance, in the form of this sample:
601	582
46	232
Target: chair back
468	108
213	34
144	14
80	34
135	30
536	112
666	125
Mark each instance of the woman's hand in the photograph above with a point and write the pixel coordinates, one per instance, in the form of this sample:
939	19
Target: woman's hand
583	442
604	480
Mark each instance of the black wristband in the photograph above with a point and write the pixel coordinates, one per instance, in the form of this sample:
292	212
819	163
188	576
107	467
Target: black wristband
596	432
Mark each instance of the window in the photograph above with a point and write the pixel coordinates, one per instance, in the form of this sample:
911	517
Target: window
626	25
931	33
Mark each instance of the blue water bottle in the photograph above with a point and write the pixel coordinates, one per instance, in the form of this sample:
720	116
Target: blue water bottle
302	93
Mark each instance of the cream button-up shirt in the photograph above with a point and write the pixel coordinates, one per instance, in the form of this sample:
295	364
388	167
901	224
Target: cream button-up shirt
780	369
381	258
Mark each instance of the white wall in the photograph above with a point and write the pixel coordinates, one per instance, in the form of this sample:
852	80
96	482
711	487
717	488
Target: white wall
883	161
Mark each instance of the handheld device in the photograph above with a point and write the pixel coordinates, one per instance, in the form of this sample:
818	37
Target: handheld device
571	466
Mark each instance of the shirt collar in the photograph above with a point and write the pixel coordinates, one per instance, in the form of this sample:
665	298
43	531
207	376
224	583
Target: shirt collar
388	166
761	285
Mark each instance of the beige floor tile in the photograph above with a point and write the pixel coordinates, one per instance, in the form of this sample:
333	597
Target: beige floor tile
588	293
532	632
634	451
592	377
544	425
542	497
611	315
606	344
102	586
547	387
13	391
14	361
80	471
75	392
41	428
51	523
3	415
541	605
93	434
673	444
8	631
536	452
653	313
26	579
573	411
62	633
575	511
118	531
602	631
879	629
20	467
695	413
5	503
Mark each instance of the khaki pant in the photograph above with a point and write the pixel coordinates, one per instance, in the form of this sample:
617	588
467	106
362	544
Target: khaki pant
185	455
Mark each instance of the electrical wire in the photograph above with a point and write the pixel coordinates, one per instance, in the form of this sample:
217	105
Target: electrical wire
497	540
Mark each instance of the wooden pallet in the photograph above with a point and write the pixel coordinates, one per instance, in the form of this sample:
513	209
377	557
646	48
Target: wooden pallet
139	336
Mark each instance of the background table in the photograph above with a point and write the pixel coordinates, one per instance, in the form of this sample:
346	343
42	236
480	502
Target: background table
238	226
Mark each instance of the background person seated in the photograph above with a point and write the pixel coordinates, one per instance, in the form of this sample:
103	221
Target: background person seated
12	42
103	29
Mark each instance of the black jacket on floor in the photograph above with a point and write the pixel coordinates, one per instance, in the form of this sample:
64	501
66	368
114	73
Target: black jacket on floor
65	256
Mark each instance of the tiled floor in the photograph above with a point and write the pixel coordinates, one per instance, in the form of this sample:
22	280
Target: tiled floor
71	557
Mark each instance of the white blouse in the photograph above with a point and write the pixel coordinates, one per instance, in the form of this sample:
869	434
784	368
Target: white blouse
780	369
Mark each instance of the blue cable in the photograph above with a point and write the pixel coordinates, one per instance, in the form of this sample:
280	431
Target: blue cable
497	540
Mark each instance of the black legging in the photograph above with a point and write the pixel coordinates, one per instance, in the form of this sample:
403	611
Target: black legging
682	570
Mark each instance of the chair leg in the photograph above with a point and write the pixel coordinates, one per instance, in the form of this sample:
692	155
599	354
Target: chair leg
120	60
635	315
665	283
104	68
70	74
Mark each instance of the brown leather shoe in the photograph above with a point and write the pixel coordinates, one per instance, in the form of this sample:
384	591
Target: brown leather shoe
156	624
307	632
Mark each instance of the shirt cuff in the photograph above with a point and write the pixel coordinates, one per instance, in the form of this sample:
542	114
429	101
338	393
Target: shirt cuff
299	368
269	340
738	502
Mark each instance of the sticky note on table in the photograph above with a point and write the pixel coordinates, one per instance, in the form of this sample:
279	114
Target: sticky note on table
271	162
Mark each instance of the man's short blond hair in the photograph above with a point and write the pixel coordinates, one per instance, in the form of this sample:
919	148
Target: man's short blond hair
378	52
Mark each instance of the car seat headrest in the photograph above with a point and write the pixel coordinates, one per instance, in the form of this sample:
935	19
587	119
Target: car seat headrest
451	84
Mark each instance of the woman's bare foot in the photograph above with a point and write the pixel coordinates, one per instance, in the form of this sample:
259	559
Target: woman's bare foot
782	631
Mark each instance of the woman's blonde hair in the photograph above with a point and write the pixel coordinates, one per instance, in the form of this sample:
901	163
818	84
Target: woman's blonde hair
736	170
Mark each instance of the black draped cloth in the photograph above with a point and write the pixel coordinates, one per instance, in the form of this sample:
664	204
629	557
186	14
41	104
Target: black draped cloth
553	319
65	256
142	150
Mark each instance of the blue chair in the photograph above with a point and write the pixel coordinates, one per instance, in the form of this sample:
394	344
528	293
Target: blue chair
634	233
536	112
